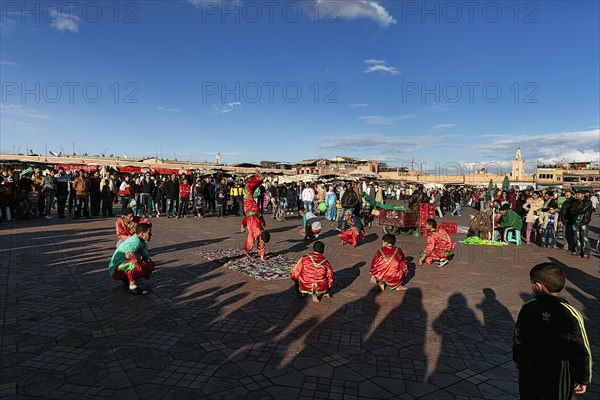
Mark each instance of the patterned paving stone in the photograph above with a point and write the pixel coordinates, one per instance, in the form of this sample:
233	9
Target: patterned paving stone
75	392
59	358
185	374
158	339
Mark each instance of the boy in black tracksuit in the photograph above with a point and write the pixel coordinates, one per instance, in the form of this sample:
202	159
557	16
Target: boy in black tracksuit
550	347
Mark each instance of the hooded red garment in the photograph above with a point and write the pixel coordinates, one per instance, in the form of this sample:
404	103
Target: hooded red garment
439	246
389	266
313	273
253	221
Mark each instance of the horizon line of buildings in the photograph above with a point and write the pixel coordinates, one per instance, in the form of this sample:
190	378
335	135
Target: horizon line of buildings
563	174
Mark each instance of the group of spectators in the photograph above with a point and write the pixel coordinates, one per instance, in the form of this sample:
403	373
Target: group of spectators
35	193
540	215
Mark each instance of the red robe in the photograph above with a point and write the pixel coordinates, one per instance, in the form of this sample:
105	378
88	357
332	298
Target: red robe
313	273
352	233
127	229
253	221
439	246
389	266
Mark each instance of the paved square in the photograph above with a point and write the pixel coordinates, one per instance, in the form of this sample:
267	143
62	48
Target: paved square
69	332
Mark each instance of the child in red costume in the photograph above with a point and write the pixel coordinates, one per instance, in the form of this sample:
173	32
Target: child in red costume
127	224
439	245
313	274
388	267
253	221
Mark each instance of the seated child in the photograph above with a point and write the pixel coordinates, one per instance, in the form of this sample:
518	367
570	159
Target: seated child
313	274
439	245
388	267
352	229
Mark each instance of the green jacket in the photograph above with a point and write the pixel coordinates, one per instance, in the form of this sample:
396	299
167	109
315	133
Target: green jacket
511	219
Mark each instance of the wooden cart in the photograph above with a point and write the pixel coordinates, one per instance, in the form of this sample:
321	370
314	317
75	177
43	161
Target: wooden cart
396	221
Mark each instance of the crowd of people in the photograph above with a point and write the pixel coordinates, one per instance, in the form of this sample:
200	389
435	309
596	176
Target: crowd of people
539	217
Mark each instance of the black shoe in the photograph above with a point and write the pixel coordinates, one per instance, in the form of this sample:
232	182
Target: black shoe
138	291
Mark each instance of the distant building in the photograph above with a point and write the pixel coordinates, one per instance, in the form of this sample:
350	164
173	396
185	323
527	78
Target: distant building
335	165
152	160
276	165
518	166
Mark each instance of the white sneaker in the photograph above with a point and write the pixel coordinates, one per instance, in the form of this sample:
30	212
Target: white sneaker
49	217
443	262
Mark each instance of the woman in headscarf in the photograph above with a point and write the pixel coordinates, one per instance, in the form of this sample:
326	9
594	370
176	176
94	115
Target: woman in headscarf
330	198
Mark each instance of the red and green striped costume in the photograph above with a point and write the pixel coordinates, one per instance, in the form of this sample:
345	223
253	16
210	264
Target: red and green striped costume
120	267
313	274
389	266
253	221
439	246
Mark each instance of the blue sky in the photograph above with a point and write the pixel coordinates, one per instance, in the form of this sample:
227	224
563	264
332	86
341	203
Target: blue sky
441	82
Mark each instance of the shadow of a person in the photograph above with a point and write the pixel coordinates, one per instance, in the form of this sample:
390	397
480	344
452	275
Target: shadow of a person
460	330
583	280
344	278
335	344
412	269
497	319
399	341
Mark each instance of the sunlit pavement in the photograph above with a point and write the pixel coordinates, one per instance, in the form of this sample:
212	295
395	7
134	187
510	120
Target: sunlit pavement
204	331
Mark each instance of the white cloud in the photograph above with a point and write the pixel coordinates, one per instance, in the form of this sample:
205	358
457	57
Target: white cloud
383	120
578	146
161	108
225	108
15	109
386	145
494	152
7	25
354	9
198	3
359	105
374	61
437	107
8	63
444	126
64	21
382	68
